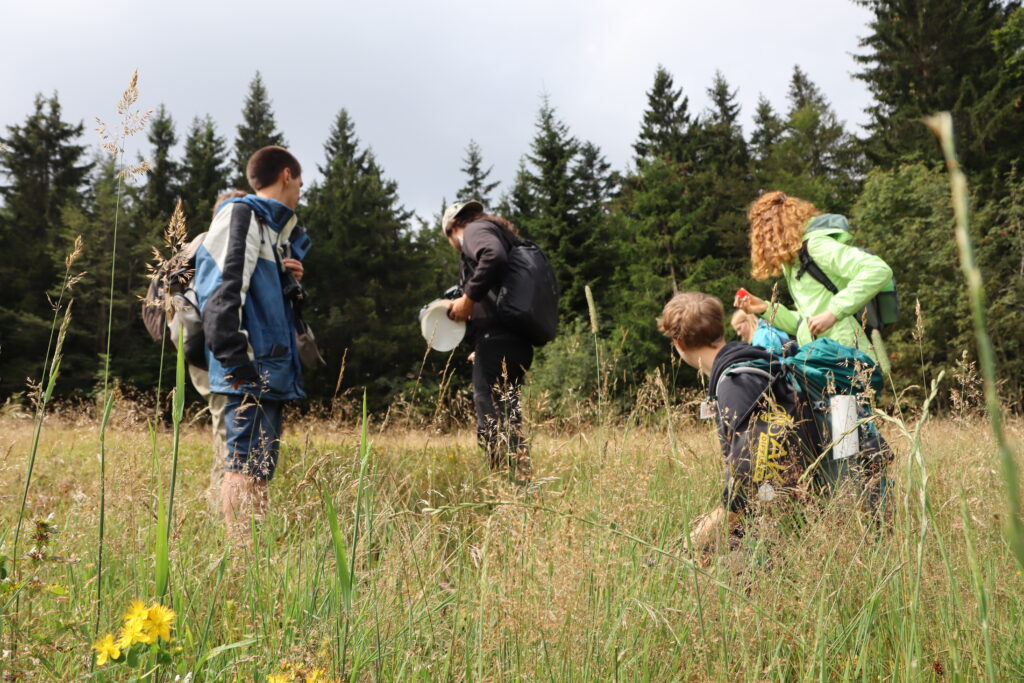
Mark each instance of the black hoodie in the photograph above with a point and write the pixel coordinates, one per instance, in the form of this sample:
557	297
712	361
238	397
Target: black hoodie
746	399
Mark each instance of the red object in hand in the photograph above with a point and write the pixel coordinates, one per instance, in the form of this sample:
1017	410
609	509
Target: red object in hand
742	293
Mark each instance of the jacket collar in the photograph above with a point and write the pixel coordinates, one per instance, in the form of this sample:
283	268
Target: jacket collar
273	213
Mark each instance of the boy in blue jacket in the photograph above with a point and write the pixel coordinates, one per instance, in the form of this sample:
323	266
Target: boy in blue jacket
246	283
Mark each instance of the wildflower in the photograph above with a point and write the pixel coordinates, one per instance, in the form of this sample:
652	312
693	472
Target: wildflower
279	678
106	649
317	676
133	631
159	621
136	611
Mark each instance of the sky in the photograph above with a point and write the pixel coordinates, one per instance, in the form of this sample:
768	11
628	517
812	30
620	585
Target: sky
422	77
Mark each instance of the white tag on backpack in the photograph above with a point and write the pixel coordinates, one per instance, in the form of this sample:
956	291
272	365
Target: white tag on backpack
843	411
707	410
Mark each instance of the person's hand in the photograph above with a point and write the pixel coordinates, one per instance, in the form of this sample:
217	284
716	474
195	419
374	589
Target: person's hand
461	309
820	323
750	304
294	265
471	357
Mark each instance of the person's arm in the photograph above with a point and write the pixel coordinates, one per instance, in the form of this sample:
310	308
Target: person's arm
783	318
776	314
867	274
707	528
222	313
482	244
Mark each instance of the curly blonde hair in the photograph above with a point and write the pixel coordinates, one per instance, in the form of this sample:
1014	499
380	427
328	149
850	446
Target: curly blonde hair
776	231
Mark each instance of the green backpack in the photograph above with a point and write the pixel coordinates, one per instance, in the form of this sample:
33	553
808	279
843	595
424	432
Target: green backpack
882	310
818	371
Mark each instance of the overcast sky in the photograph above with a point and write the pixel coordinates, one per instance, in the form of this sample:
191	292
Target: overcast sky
422	77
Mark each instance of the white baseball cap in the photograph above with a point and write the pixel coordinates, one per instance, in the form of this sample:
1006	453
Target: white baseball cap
455	209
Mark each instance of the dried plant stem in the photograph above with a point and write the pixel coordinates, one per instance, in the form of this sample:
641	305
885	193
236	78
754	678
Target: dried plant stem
942	126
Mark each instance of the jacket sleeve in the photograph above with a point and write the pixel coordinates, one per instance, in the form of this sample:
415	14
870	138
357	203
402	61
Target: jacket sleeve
736	396
866	273
222	314
482	245
783	318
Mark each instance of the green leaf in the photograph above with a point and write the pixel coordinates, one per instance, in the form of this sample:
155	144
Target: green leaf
224	648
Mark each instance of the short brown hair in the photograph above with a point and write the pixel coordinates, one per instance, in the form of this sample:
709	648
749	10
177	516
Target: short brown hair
693	319
265	166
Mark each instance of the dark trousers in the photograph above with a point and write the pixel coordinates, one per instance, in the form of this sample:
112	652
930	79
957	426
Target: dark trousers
502	360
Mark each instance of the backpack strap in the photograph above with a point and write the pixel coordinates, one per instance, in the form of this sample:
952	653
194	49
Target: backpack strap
808	266
740	369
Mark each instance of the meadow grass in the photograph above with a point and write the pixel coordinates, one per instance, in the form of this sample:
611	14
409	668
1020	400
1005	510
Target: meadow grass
454	573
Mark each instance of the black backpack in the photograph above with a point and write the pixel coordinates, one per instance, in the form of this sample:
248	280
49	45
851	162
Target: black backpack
528	297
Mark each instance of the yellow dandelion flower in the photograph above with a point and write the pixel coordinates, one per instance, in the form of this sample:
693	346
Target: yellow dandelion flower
159	621
279	678
106	649
317	676
133	631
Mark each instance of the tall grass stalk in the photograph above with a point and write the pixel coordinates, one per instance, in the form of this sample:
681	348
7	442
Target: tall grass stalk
45	392
592	309
131	122
942	126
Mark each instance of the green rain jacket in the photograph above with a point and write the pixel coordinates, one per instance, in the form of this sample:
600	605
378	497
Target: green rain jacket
858	275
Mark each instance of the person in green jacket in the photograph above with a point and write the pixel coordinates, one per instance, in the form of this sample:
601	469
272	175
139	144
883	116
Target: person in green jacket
779	227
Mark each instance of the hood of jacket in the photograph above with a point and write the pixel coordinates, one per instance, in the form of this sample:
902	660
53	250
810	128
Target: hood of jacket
273	213
739	352
831	224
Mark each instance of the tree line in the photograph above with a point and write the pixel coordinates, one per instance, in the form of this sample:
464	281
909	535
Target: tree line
674	219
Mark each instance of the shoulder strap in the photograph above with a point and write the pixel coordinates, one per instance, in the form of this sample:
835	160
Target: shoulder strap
807	265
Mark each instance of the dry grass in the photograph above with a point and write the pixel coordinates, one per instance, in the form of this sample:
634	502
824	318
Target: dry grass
502	583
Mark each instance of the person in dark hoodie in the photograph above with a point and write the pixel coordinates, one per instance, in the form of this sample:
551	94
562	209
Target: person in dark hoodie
501	355
762	427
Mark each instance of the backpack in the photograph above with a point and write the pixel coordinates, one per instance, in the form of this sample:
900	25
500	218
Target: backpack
171	304
818	372
528	297
881	311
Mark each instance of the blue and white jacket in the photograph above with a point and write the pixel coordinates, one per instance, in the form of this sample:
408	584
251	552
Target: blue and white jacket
248	323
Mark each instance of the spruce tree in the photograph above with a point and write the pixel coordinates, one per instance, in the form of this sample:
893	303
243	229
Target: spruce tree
204	172
924	57
366	275
560	200
721	186
161	190
664	132
477	185
257	130
815	158
44	172
134	360
768	128
722	147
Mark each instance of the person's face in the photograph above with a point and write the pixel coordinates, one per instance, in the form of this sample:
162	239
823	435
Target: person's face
291	188
454	239
743	330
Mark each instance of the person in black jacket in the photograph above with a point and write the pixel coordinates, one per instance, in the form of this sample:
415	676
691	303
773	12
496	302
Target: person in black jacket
501	355
762	427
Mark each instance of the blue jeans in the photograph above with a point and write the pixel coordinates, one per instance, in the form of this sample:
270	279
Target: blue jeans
253	435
